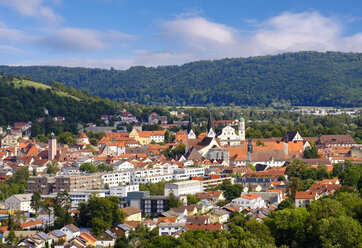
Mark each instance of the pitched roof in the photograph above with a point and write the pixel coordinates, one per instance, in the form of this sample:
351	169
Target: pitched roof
72	228
130	210
205	227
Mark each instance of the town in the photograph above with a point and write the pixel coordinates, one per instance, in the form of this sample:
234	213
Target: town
113	184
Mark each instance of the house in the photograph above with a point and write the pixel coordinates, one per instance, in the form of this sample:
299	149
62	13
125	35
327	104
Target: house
58	236
191	210
150	224
71	231
204	206
198	219
20	202
106	239
170	228
250	200
205	227
146	137
335	140
219	216
90	240
132	213
213	196
304	198
121	230
32	224
155	118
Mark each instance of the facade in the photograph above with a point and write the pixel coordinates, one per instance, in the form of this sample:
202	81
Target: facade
146	137
228	137
132	213
170	228
219	216
183	188
153	205
19	202
251	201
116	178
122	190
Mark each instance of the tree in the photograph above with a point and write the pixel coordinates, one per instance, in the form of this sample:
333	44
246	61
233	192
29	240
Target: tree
53	167
35	202
311	152
88	167
342	231
172	201
104	167
192	199
352	176
12	239
294	186
287	203
36	129
289	227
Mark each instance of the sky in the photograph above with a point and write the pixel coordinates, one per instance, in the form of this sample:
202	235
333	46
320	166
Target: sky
125	33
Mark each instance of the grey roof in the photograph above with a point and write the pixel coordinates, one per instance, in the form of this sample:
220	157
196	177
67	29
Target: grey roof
58	233
124	227
113	235
43	236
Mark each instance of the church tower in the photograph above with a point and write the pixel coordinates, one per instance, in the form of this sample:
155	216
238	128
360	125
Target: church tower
241	128
52	147
210	132
190	130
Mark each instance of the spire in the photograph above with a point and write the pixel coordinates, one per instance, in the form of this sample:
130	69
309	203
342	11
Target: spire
209	123
190	127
241	128
210	131
250	146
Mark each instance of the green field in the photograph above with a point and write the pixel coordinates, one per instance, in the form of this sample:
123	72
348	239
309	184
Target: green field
27	83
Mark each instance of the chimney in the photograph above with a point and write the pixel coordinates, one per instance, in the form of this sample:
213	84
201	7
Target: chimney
285	147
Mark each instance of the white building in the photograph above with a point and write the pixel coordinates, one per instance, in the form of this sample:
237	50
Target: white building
228	137
183	188
19	202
121	191
186	173
115	178
152	179
71	231
123	165
251	201
170	228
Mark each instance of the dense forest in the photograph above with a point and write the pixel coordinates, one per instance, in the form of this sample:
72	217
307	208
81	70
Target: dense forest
303	78
28	103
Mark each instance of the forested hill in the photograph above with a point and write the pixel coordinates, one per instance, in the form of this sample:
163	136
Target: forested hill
23	100
303	78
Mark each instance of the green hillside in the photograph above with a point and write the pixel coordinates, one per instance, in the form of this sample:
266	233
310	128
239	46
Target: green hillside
301	79
24	100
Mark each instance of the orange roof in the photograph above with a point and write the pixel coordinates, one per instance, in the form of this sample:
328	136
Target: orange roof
31	223
87	235
205	227
166	219
305	195
151	133
82	136
133	224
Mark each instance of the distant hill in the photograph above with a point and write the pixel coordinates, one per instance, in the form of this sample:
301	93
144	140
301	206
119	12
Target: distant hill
303	79
25	100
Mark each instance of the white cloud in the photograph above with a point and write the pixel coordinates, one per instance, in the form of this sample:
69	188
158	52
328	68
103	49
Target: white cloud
32	8
84	40
198	31
288	32
11	35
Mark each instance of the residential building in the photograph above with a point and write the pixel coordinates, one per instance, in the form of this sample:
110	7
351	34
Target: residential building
183	188
122	190
250	200
71	231
132	213
153	205
219	216
170	228
19	202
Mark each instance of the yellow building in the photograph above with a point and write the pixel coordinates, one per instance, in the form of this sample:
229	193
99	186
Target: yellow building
146	137
132	213
89	239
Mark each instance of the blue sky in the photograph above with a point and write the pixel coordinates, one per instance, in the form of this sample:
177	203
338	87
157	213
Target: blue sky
121	33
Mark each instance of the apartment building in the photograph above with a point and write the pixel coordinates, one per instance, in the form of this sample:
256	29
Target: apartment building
44	184
187	173
183	188
116	178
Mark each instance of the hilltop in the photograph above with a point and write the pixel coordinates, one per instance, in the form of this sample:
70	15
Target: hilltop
299	79
25	100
